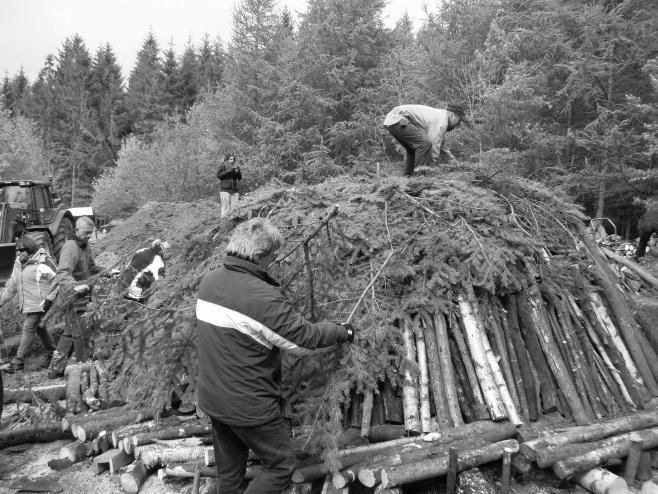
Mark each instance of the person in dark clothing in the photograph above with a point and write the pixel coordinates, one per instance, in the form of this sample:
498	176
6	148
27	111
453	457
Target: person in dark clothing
32	279
647	226
243	323
76	264
229	173
146	267
421	130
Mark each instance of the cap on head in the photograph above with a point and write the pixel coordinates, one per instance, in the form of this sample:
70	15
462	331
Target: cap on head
162	245
459	111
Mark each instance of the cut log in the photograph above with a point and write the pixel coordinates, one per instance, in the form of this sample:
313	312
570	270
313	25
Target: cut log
76	451
594	432
127	431
500	349
633	266
81	418
543	331
485	377
186	470
366	414
478	405
474	481
37	433
73	403
103	382
447	371
451	474
89	395
133	477
527	381
90	429
410	380
436	467
51	393
506	471
196	428
436	379
154	455
463	388
604	450
423	376
382	433
649	487
644	468
633	459
601	481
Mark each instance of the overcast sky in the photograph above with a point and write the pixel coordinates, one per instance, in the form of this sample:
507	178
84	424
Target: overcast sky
31	29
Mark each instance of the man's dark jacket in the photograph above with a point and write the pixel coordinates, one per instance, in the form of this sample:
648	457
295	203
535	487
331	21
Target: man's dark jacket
243	320
229	178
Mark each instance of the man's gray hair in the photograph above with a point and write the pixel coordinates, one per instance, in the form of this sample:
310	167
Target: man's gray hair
254	239
85	221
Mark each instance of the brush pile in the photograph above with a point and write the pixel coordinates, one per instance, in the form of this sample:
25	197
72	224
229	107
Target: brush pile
475	299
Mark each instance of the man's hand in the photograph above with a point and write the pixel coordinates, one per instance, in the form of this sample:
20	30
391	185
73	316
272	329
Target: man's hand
81	289
47	304
350	331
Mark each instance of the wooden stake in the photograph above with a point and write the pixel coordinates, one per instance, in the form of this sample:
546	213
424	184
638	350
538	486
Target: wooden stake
366	412
437	380
505	474
447	369
644	468
451	478
410	382
633	459
424	380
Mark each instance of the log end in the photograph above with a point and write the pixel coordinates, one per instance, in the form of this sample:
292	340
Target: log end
128	484
298	477
338	481
367	477
618	486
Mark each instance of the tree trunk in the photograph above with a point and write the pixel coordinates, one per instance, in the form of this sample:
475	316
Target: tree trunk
76	451
410	381
436	467
447	370
154	455
89	430
133	477
463	387
182	431
604	450
437	380
601	481
38	433
633	266
483	370
423	376
51	393
593	432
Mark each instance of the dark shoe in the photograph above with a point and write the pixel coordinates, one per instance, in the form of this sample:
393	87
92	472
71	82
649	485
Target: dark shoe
45	360
14	368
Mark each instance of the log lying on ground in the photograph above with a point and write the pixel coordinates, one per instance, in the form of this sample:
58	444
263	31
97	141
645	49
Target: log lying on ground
37	433
436	467
76	451
486	430
633	266
601	481
81	418
154	455
604	450
51	393
182	431
593	432
90	429
133	477
186	470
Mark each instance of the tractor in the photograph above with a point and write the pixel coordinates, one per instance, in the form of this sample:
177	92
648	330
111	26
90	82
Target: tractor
30	208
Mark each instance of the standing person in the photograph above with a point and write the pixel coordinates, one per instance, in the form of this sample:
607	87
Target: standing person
146	266
421	131
76	264
229	173
647	226
33	279
243	322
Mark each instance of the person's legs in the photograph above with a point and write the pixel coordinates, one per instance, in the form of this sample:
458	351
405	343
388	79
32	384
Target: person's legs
272	445
27	337
230	459
225	197
415	141
80	335
645	235
234	199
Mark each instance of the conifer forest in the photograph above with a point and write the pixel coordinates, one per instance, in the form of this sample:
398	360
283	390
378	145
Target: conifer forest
506	341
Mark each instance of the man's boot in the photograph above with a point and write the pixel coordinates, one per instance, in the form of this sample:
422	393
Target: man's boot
46	358
79	349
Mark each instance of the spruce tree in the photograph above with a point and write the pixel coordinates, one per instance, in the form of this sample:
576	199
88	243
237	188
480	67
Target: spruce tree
211	64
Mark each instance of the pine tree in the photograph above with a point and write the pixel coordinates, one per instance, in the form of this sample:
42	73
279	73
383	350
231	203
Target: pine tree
189	78
146	89
171	81
211	64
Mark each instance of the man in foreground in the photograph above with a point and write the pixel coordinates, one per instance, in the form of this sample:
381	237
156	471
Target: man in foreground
243	321
76	264
421	131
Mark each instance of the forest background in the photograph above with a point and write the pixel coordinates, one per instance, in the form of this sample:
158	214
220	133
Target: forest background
563	92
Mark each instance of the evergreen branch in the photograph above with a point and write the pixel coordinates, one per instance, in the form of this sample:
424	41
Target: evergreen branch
310	236
372	282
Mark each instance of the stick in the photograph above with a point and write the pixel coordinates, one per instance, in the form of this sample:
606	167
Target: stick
372	282
436	376
451	479
409	383
424	379
447	370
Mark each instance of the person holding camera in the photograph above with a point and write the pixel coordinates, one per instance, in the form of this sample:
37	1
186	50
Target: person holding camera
229	173
243	323
33	279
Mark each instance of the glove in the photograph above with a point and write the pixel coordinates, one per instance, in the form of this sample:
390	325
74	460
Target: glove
47	304
350	331
115	273
81	289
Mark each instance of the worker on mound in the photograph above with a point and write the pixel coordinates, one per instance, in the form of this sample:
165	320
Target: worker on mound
146	267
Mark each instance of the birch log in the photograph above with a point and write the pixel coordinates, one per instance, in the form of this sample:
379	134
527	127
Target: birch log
480	361
410	381
447	370
437	380
366	412
601	481
423	376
